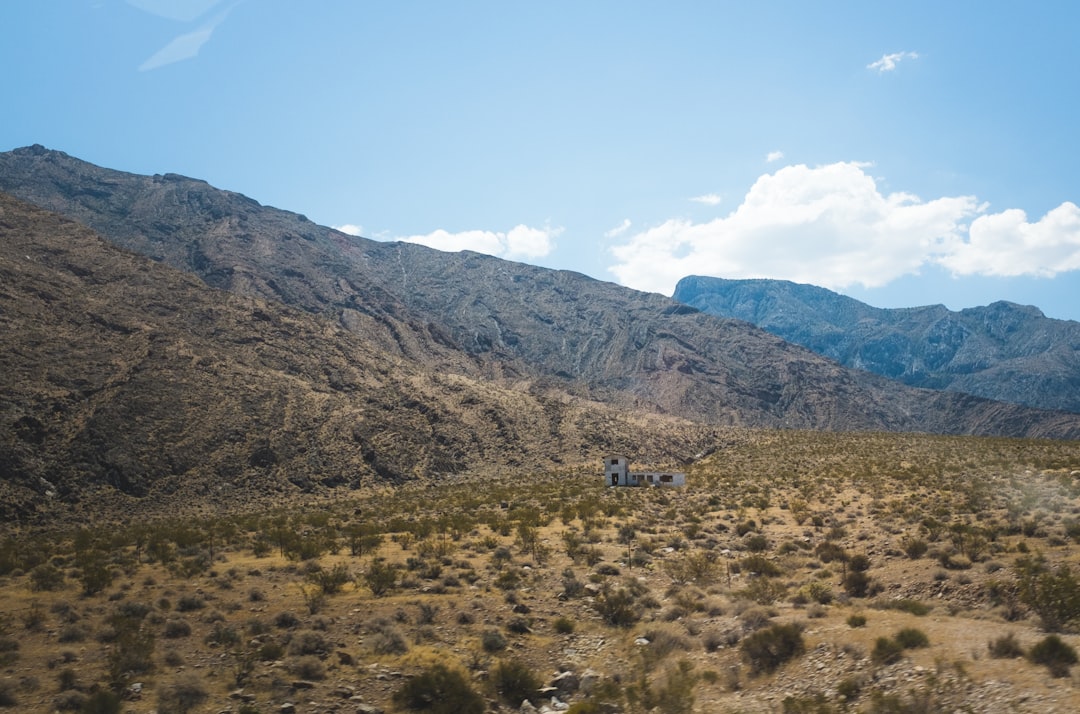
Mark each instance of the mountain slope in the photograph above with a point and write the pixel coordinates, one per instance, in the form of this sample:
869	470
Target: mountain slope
122	378
1002	351
479	316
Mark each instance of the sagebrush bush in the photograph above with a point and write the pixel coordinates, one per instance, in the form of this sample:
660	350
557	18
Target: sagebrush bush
440	690
177	628
514	682
181	696
1005	647
1055	653
912	638
766	650
886	651
308	667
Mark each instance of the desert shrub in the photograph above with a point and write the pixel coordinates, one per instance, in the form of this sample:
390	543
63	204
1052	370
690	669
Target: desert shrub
713	640
94	573
915	548
387	639
492	640
755	618
563	625
173	658
190	603
308	667
697	567
440	690
308	642
816	591
617	606
1055	653
828	551
286	620
380	578
764	591
756	543
760	565
766	650
519	626
1053	594
856	621
181	696
102	701
1005	647
69	700
745	527
132	648
912	638
663	640
514	682
222	635
46	577
675	693
72	633
7	694
331	581
886	651
849	688
177	628
507	580
67	679
270	651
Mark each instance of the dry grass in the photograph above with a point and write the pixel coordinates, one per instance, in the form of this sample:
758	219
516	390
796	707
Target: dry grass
643	586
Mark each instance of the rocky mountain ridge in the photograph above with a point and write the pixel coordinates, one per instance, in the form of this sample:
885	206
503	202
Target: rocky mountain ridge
486	318
122	378
1002	351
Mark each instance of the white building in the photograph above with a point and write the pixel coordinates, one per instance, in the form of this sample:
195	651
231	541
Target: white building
617	473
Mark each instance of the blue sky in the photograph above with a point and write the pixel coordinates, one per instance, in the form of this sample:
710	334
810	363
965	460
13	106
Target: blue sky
903	153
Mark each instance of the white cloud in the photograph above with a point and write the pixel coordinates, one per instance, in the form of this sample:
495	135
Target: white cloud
774	156
520	243
709	199
350	228
888	63
832	226
1007	244
619	229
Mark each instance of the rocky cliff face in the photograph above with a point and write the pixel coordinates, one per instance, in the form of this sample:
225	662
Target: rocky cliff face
1004	351
506	323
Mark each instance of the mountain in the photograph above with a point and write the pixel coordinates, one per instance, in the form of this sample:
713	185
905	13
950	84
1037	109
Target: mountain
1003	351
124	381
496	322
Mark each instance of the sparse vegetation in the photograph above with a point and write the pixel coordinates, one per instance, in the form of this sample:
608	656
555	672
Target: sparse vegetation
660	578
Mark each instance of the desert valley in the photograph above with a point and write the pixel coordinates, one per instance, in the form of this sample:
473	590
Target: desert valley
253	464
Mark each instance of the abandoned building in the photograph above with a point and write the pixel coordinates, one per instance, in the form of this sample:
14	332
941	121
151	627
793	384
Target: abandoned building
617	473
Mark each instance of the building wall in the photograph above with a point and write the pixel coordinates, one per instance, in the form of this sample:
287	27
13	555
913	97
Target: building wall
617	473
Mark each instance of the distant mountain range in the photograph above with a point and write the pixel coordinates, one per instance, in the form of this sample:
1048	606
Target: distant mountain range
1003	351
304	358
